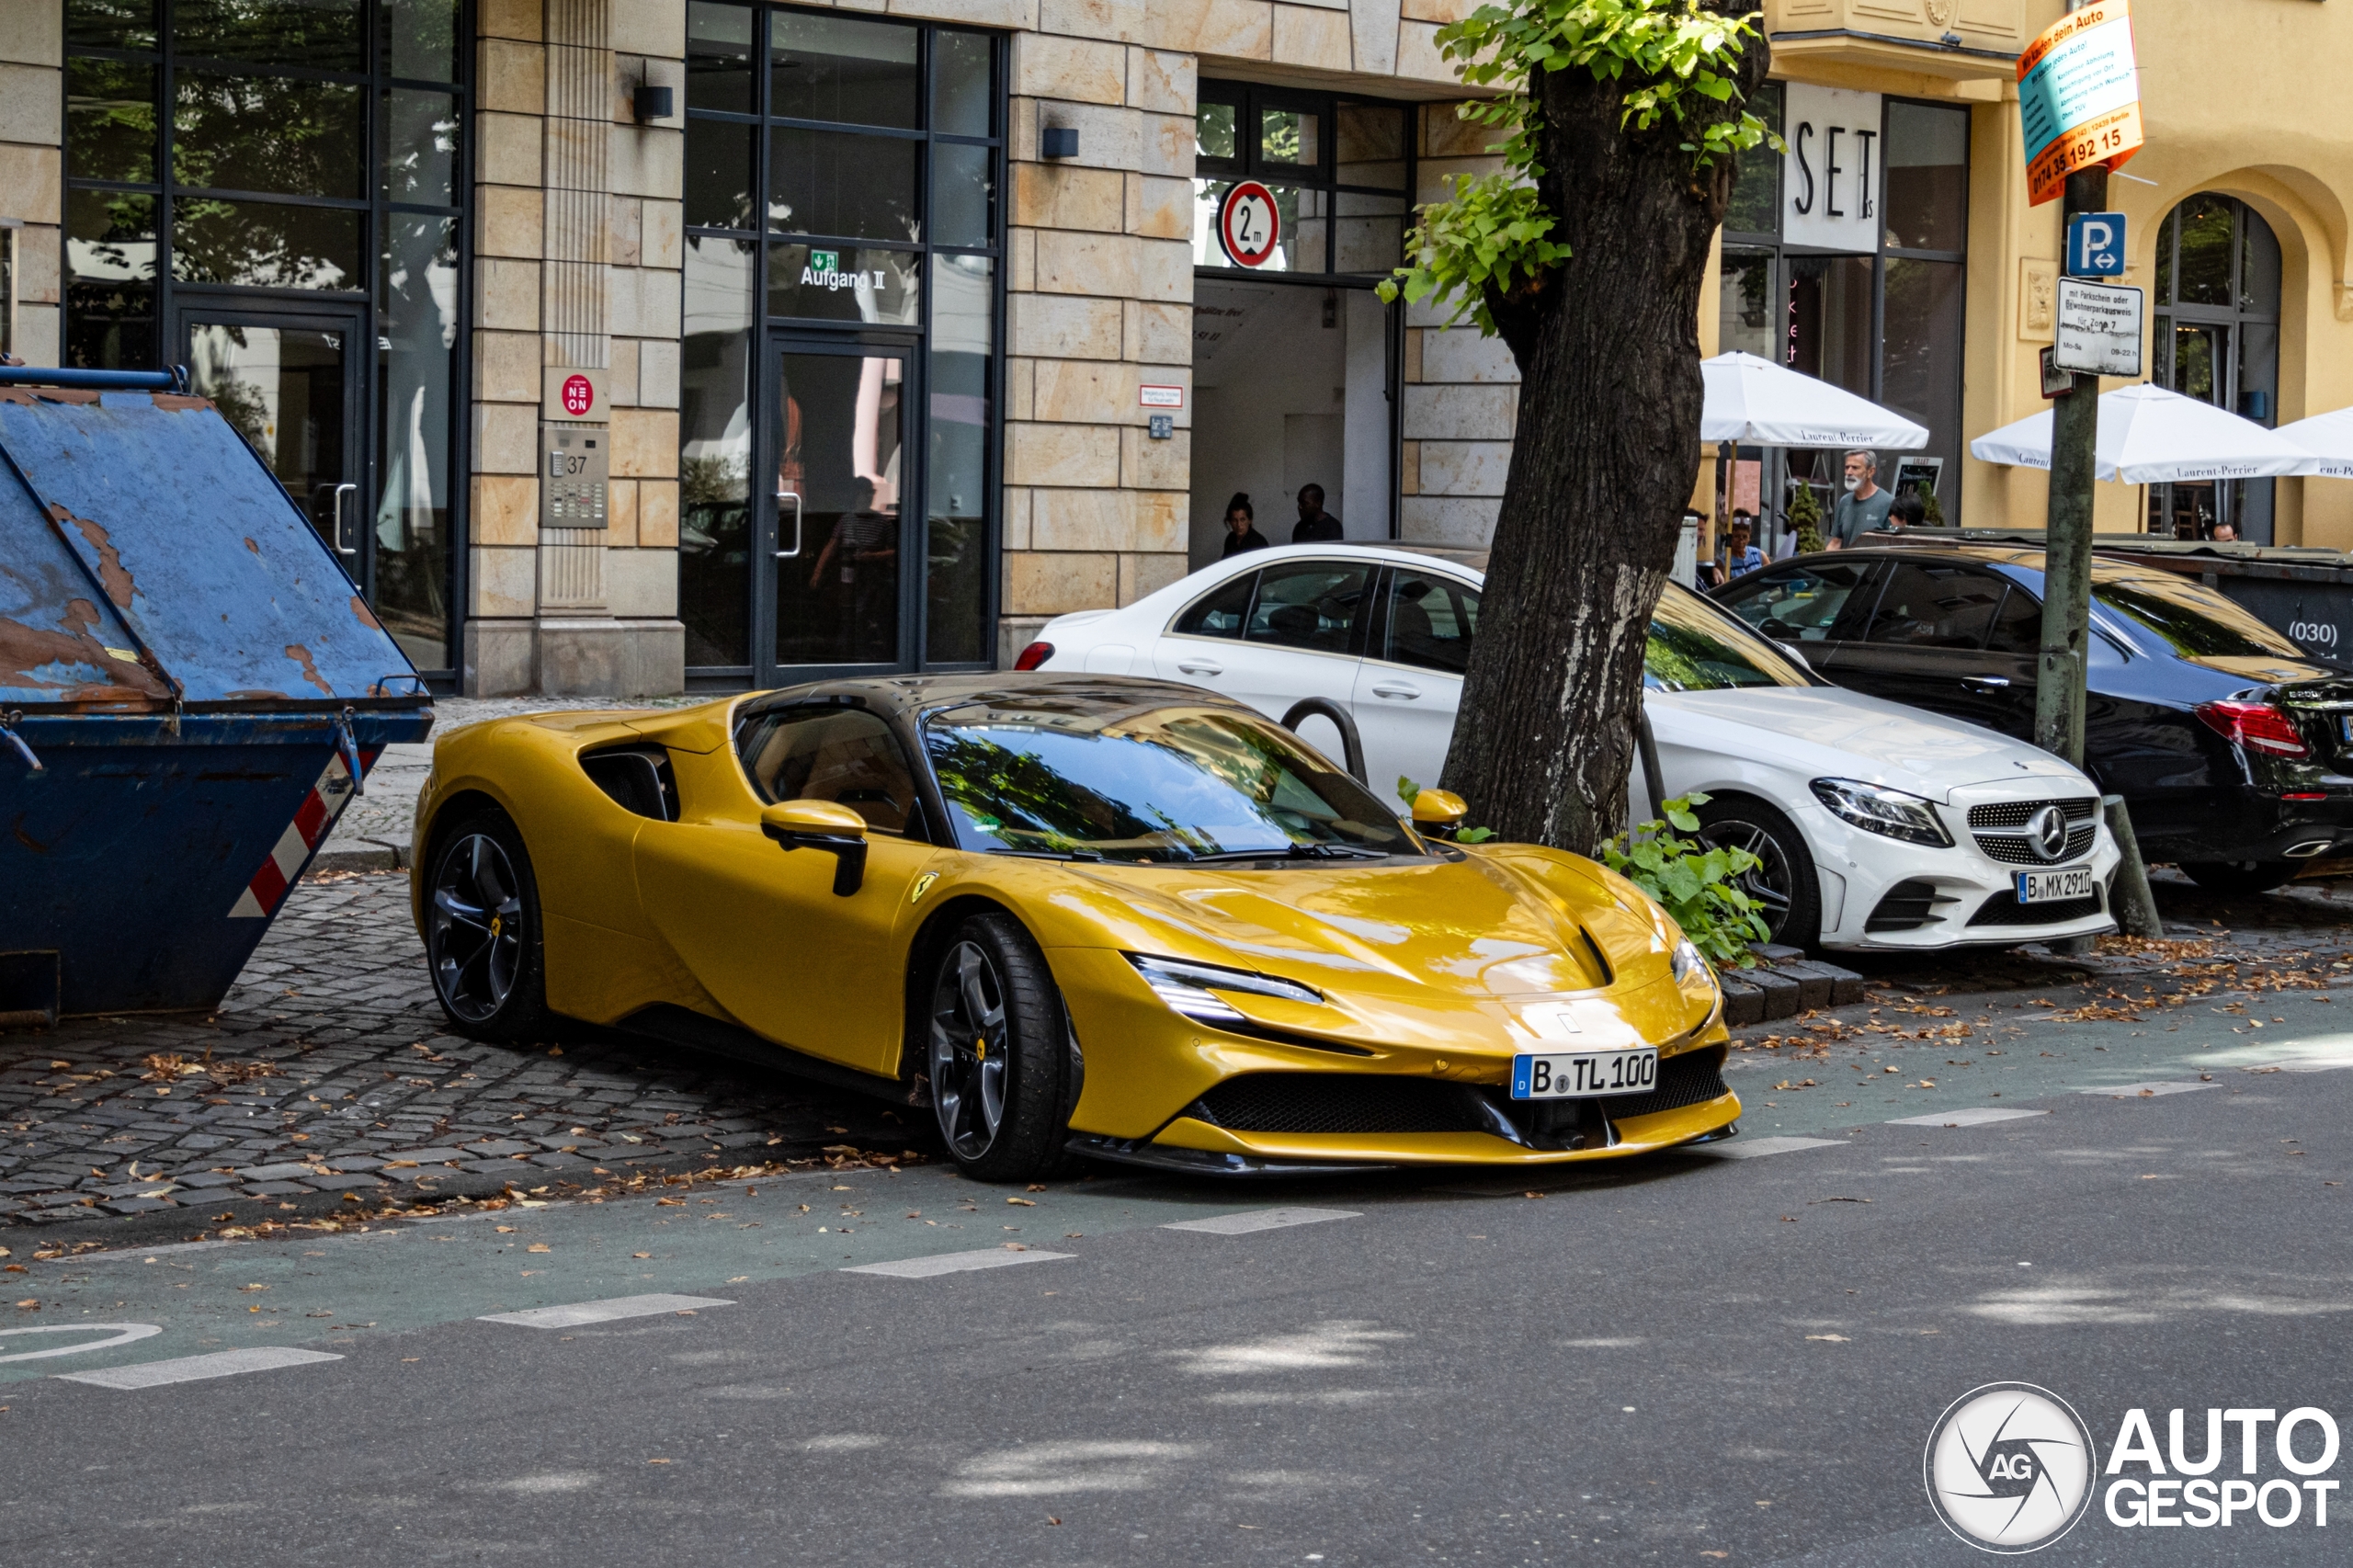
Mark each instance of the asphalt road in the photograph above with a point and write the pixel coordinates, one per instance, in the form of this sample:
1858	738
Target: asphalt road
1691	1360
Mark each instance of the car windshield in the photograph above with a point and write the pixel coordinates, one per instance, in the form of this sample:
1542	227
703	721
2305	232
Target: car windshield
2194	620
1694	647
1161	784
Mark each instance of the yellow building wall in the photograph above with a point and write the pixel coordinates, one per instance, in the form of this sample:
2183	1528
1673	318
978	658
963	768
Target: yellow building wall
2227	103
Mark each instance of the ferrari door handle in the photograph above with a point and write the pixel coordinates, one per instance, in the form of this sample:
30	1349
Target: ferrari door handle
1397	689
1198	667
1987	683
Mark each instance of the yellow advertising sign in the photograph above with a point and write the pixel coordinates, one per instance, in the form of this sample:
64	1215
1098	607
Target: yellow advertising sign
2079	96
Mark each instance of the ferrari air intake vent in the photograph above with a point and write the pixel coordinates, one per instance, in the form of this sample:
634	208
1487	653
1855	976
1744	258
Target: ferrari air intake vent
1335	1102
1693	1078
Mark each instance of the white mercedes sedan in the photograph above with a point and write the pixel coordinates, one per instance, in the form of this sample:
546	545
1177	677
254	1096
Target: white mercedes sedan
1879	826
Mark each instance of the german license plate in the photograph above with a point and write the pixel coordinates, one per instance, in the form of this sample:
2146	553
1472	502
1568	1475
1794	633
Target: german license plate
2055	887
1584	1074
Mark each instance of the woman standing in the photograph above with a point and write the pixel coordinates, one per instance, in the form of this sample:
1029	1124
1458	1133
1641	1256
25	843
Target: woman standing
1242	527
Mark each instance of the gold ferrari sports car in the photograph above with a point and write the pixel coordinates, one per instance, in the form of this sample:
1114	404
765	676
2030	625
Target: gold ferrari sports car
1076	915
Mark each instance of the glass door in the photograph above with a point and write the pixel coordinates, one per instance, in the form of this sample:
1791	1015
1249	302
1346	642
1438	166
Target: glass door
837	597
289	383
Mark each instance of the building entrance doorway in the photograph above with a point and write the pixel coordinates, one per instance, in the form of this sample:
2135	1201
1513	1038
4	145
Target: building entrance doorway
836	592
288	381
1293	385
2217	339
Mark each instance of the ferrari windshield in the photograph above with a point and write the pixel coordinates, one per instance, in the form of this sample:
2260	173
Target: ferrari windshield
1147	784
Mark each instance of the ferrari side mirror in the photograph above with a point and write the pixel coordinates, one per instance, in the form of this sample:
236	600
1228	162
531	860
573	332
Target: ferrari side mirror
1438	812
824	825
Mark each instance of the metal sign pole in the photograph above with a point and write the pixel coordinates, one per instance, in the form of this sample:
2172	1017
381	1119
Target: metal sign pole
2059	691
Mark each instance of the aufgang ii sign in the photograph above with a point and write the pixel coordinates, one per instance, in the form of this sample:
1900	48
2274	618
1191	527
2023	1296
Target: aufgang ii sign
2079	97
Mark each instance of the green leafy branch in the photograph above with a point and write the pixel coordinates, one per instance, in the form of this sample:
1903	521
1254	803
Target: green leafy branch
1698	887
1494	235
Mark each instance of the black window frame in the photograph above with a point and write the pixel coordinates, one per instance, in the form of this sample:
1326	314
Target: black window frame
774	334
1781	254
375	209
1250	100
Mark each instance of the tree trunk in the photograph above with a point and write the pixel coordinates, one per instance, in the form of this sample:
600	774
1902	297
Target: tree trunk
1602	466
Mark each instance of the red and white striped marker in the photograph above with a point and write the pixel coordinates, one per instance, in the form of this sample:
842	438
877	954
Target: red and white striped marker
312	822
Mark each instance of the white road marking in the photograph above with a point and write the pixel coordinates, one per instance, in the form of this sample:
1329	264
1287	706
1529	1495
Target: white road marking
141	1255
195	1369
1251	1220
1750	1148
2135	1091
607	1310
124	1333
1969	1116
954	1263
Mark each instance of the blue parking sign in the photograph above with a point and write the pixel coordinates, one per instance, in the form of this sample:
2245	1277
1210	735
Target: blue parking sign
2096	245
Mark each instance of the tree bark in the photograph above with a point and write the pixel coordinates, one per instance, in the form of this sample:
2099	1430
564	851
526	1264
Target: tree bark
1602	465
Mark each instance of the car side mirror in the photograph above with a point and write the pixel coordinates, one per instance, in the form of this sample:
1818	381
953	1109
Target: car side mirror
1438	812
824	825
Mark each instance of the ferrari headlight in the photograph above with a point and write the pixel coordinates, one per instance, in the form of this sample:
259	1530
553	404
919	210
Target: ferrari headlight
1189	988
1888	813
1689	964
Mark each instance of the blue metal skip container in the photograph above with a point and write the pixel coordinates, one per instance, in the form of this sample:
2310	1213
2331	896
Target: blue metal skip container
191	688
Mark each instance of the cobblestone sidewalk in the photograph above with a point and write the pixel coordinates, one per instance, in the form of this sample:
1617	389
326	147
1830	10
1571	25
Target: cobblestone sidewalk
327	1071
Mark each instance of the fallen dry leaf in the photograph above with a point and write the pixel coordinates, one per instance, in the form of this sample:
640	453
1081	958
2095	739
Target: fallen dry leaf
1015	1246
506	1230
640	1255
1024	1202
539	1246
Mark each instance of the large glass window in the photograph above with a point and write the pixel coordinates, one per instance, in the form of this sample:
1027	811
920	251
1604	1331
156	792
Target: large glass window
1340	172
1887	325
841	188
243	179
2217	339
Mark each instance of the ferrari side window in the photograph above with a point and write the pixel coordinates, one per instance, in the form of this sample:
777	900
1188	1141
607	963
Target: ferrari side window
1221	613
842	755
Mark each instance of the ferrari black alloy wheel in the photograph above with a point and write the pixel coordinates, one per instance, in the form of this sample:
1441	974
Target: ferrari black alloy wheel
1784	881
996	1055
482	932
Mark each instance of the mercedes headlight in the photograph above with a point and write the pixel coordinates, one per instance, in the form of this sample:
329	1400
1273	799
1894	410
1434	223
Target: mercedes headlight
1888	813
1189	988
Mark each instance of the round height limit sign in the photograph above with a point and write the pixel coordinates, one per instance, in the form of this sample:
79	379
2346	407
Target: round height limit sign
1249	225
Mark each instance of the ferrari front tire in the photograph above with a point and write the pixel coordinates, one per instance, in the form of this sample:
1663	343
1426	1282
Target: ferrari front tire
481	932
996	1053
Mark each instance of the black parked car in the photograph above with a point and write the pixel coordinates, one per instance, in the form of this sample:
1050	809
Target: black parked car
2231	745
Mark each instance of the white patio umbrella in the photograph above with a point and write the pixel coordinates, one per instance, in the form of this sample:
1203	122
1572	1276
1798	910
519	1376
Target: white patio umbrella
1756	402
2329	438
2149	435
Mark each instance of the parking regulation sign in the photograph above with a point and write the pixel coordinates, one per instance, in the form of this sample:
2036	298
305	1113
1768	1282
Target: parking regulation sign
2096	245
2099	328
1249	225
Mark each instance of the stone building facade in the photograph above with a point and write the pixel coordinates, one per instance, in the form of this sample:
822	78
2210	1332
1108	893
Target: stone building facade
640	345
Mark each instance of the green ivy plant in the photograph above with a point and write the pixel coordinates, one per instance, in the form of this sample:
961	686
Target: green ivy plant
1407	789
1494	233
1698	886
